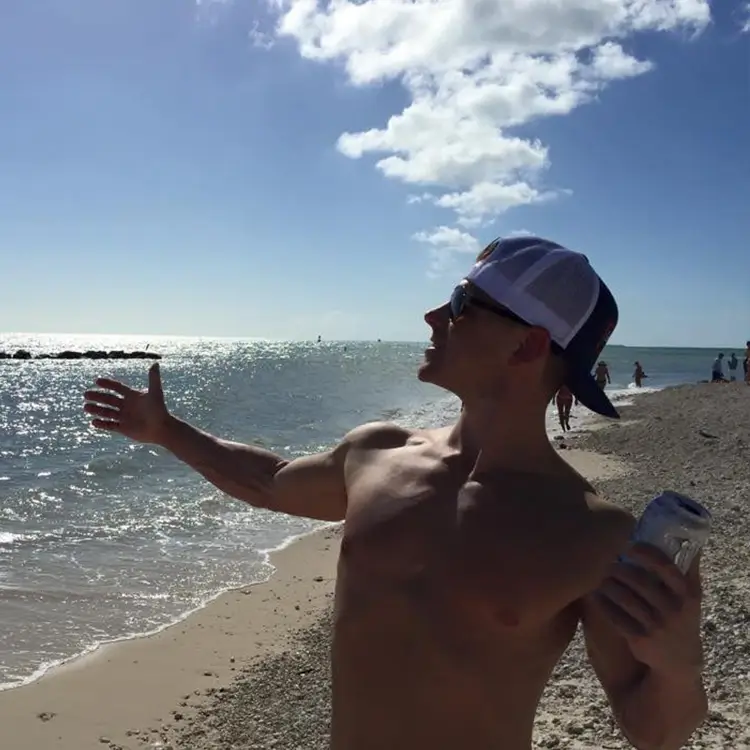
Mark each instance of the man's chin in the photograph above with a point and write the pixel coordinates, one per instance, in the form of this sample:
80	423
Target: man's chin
428	372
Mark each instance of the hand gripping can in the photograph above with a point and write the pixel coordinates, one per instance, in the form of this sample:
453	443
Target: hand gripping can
677	525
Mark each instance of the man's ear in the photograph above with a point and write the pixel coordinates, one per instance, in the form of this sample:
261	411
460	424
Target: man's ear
533	346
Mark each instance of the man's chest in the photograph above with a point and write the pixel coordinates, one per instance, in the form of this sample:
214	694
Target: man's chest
414	522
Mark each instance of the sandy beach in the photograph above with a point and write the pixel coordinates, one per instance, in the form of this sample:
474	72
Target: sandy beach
126	694
250	670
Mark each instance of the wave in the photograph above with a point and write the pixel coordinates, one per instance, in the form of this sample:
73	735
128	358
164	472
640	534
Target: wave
624	396
15	539
266	570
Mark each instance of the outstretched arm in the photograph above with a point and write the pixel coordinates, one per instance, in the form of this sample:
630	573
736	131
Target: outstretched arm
310	486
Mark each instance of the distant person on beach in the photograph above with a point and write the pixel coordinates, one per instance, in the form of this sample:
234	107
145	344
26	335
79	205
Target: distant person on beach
746	362
471	553
717	370
601	375
639	375
564	402
732	363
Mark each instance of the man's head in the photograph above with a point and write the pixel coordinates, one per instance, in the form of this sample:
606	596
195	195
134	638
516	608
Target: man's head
529	317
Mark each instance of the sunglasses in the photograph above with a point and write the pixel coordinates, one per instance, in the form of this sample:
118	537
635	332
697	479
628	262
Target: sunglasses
461	298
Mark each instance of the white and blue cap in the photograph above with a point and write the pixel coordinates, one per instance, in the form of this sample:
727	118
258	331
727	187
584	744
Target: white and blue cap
550	286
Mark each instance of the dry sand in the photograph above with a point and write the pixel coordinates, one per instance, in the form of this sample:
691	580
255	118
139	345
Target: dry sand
250	670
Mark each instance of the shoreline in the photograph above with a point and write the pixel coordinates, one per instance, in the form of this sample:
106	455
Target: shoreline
121	694
90	651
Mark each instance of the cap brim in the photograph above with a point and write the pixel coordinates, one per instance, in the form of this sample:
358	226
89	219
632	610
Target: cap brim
586	390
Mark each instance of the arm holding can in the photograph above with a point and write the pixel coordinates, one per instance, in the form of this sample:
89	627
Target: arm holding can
642	630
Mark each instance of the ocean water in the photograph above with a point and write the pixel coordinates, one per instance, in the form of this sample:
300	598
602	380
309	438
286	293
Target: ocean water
103	539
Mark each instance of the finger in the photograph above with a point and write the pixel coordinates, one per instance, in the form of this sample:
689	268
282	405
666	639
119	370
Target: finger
650	588
105	424
105	412
116	386
629	602
626	625
649	553
693	577
660	565
154	380
102	397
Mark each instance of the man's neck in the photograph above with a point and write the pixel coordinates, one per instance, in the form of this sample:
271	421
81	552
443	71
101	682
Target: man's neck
496	436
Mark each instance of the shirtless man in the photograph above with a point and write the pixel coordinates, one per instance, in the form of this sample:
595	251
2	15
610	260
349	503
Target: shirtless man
471	552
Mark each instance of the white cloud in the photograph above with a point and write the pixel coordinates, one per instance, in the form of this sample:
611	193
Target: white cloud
475	70
745	20
443	243
411	199
450	238
209	11
260	39
488	199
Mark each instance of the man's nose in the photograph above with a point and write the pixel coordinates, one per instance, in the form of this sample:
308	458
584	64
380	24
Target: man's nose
438	315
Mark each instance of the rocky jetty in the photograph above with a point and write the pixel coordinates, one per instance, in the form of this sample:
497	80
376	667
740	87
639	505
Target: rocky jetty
91	354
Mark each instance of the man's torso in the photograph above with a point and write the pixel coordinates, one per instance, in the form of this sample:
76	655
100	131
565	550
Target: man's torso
454	596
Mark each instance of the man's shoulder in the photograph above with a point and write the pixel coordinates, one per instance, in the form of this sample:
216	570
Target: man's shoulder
587	522
377	436
571	496
606	527
559	538
597	520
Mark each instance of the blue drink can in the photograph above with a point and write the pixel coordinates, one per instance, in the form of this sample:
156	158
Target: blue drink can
677	525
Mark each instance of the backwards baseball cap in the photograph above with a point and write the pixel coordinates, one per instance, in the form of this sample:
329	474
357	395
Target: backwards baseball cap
555	288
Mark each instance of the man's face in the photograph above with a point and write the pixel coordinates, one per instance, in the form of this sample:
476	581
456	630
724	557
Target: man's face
474	353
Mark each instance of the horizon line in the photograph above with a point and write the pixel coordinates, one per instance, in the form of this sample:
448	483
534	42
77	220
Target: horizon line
313	339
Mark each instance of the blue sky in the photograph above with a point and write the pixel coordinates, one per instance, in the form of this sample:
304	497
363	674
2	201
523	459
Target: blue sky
286	169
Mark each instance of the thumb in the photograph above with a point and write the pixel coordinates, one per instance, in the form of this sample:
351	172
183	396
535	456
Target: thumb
694	574
154	381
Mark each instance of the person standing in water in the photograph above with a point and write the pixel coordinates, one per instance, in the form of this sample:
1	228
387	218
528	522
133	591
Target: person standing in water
717	369
601	375
564	402
639	375
732	363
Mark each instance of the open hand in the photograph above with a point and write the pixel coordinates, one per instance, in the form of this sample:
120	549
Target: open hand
139	415
656	609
